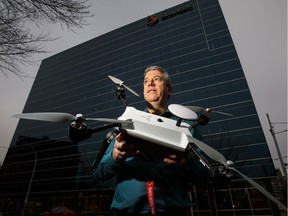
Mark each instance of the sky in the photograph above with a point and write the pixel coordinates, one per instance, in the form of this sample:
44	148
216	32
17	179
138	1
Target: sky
259	32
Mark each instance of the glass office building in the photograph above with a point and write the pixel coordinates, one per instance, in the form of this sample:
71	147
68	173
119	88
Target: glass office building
45	169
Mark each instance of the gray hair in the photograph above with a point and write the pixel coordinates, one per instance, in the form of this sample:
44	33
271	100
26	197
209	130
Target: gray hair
166	76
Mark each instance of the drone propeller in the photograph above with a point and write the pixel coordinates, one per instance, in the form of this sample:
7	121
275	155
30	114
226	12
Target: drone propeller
63	117
206	110
211	152
260	188
217	156
182	112
121	83
188	113
46	116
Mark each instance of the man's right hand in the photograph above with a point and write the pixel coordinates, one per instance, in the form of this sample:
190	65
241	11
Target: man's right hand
123	150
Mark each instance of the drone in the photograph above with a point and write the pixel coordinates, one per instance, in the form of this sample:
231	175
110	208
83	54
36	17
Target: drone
155	129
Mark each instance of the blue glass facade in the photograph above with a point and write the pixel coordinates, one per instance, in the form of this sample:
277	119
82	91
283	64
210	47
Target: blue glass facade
192	42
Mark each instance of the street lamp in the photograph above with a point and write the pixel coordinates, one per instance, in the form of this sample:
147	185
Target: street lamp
31	179
277	147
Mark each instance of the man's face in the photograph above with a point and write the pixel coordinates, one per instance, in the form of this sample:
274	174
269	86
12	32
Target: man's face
155	89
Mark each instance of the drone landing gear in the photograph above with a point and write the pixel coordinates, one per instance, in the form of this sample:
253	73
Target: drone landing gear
106	142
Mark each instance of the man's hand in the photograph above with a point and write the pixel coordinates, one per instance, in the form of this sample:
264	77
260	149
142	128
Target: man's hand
123	150
182	159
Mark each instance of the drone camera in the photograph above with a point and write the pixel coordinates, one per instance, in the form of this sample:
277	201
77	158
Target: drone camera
111	135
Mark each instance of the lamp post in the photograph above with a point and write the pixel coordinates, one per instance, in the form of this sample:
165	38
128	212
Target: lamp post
277	147
31	179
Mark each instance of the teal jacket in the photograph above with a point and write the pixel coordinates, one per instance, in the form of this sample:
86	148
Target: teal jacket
171	181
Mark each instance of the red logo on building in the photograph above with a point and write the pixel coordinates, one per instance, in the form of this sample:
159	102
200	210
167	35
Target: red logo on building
152	20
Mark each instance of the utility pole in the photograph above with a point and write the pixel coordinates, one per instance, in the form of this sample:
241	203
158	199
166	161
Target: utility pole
31	179
277	147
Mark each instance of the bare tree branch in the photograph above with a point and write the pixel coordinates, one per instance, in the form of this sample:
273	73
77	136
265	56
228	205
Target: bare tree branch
18	43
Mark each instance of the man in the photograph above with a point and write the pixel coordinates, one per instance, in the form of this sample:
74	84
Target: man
150	186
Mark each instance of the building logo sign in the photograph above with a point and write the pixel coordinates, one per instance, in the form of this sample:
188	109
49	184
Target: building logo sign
154	19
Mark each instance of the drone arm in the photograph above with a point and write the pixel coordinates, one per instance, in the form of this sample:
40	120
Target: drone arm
104	127
218	174
79	132
203	161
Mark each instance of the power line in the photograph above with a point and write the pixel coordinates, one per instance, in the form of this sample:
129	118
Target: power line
280	132
279	123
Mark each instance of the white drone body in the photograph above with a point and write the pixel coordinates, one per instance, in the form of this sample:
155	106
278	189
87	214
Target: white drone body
156	129
165	131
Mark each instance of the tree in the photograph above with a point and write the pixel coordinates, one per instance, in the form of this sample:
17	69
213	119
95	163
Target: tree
18	43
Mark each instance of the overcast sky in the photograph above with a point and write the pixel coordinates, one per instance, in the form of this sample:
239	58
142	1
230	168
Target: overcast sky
259	32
